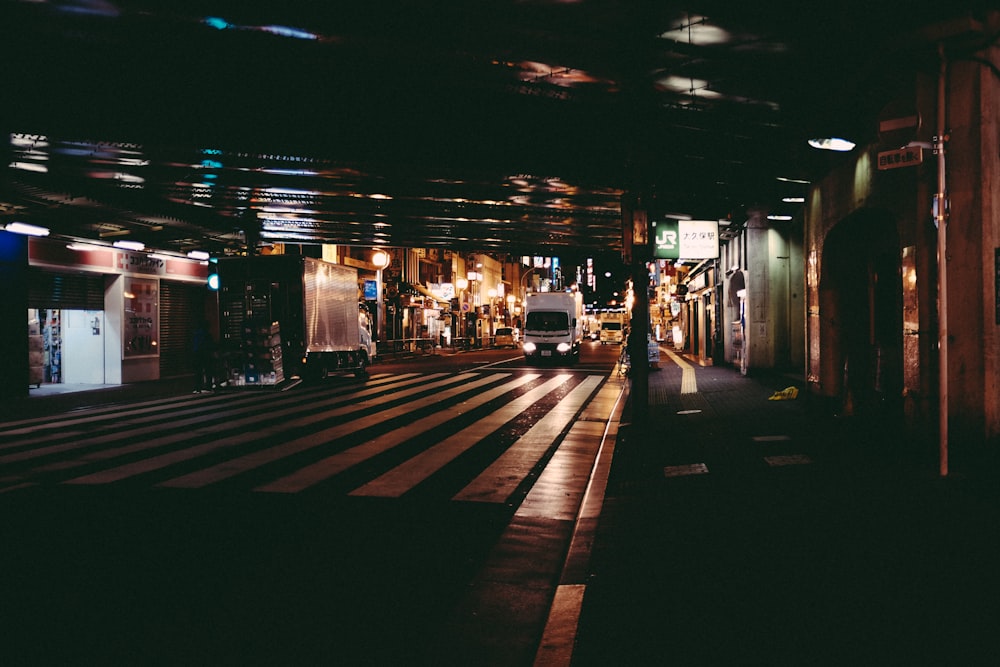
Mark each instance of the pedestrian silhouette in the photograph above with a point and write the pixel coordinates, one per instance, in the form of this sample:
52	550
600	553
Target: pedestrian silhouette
203	350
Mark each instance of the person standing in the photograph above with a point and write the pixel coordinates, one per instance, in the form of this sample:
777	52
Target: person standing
203	349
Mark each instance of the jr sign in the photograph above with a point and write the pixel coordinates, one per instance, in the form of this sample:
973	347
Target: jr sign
686	239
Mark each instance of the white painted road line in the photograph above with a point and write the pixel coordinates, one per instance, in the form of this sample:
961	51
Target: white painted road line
497	482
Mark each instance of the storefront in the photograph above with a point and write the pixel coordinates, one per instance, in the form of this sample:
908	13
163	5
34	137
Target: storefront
101	315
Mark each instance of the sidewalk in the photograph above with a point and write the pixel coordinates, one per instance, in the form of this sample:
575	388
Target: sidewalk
738	530
54	399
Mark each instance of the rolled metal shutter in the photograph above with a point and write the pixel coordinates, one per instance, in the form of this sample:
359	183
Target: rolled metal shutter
181	306
70	291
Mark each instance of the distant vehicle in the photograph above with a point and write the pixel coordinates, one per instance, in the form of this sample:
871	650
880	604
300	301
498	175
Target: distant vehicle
506	337
553	326
612	327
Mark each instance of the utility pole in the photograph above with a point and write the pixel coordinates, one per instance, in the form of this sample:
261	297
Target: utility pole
636	252
941	221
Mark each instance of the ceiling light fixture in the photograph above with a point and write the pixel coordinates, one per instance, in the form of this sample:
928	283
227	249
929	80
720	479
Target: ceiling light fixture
130	245
200	255
78	245
832	144
26	229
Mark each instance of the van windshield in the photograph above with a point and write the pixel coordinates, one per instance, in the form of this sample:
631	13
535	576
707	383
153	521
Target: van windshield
541	320
612	326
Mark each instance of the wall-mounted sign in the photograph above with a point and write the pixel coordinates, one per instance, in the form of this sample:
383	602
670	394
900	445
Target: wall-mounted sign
904	157
898	123
686	239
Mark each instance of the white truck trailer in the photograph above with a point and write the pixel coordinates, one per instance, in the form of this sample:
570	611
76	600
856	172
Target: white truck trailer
553	326
288	316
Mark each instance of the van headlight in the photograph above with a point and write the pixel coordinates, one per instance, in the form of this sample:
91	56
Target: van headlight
529	347
563	348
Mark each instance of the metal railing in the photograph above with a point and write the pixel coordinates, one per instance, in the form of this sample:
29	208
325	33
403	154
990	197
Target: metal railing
411	346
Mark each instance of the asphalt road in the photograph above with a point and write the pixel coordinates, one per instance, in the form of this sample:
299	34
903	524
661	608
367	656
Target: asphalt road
138	572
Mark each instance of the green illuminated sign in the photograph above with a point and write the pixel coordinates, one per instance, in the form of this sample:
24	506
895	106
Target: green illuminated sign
685	239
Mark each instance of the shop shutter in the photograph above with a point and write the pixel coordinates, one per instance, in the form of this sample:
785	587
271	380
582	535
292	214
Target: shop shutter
181	306
70	291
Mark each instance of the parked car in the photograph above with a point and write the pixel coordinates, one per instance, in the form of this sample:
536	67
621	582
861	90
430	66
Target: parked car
506	337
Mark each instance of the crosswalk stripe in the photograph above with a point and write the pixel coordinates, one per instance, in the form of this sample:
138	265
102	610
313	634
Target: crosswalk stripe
245	432
242	438
405	476
150	411
253	460
498	482
98	413
119	434
332	465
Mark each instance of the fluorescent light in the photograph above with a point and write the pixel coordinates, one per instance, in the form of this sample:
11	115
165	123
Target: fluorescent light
30	166
25	228
832	144
793	200
199	255
779	217
130	245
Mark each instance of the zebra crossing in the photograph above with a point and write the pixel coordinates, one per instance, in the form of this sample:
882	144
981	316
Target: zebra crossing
380	438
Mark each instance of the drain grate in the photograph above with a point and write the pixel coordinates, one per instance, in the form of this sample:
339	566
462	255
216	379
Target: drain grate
684	471
790	460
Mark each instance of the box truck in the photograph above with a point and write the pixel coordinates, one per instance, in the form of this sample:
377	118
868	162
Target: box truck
612	327
553	326
288	316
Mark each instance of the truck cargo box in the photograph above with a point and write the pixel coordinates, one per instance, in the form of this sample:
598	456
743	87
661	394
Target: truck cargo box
283	314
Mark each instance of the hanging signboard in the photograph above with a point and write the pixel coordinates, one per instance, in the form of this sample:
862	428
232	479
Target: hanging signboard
686	239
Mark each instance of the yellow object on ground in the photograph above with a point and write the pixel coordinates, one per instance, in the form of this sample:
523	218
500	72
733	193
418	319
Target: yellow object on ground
786	394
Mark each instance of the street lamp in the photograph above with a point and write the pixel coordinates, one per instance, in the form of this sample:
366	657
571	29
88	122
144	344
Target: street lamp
381	260
474	277
493	295
462	284
524	281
